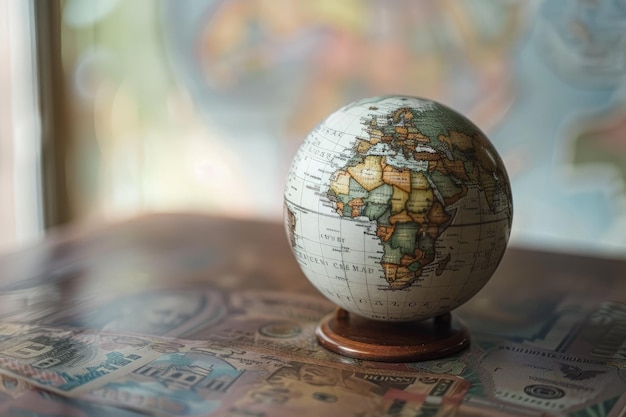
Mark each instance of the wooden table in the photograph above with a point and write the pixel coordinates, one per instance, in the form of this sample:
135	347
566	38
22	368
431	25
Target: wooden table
548	330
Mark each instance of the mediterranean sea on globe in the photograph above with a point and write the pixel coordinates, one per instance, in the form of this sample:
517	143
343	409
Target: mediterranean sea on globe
398	208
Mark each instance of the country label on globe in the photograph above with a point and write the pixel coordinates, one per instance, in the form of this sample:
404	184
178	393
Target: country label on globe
398	208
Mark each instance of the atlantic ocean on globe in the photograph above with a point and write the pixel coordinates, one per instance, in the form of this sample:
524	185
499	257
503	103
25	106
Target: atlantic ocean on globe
398	208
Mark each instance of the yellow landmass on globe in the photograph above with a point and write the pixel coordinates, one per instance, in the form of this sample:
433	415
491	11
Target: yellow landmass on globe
420	201
340	184
400	178
398	200
419	181
369	173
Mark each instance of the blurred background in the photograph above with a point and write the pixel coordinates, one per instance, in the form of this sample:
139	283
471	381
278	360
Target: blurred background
110	108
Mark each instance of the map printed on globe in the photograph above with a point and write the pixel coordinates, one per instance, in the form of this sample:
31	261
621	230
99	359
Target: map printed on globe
397	208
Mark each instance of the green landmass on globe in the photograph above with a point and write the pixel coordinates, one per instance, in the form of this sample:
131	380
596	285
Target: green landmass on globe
411	207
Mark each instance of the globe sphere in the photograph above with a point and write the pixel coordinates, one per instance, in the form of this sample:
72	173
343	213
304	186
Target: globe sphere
397	208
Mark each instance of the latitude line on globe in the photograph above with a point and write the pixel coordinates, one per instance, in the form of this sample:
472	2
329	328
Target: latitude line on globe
355	220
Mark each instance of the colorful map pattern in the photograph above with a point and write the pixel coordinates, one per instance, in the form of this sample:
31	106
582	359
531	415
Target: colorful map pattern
429	158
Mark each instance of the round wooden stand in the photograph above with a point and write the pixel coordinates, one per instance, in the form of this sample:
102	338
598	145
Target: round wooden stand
357	337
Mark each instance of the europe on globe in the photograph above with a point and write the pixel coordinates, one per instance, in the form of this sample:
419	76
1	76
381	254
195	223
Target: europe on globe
398	208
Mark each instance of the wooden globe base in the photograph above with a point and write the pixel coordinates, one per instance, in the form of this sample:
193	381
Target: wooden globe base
357	337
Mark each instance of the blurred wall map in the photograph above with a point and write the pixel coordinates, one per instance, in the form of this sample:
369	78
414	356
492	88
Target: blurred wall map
201	104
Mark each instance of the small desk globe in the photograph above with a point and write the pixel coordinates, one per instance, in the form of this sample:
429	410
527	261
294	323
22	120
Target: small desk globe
398	210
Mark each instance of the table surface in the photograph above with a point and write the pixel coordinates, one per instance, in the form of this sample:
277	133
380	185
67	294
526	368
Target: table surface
224	301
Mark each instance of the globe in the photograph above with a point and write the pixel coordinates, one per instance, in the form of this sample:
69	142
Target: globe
397	208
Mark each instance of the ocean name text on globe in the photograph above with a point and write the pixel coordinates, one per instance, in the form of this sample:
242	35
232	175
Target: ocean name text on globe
338	265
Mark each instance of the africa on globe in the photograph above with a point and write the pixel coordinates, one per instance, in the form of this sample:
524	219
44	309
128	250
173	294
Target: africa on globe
398	208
